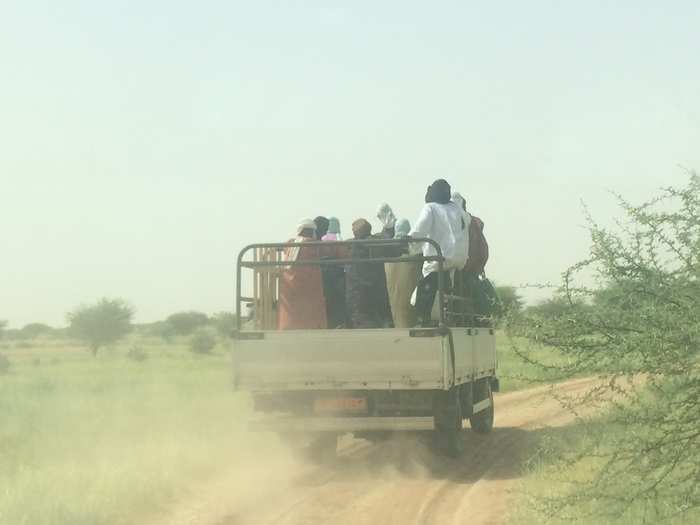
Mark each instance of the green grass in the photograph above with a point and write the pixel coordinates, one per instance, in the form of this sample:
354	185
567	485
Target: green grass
546	478
103	440
514	372
99	441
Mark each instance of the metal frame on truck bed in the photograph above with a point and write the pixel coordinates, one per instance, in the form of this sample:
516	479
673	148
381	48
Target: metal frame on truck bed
322	383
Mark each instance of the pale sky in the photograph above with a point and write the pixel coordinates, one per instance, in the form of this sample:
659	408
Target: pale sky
143	143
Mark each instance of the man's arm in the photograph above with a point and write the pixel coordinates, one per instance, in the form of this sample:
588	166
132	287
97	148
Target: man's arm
422	227
424	224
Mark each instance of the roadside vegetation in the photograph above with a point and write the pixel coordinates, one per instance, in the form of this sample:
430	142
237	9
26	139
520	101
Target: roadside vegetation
106	440
111	439
629	315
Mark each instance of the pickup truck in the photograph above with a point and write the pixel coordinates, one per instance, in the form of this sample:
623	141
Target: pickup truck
314	385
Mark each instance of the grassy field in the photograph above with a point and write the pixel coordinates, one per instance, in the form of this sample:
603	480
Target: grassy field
546	478
515	373
98	441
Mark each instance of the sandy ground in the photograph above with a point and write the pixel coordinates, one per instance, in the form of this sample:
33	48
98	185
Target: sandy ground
400	481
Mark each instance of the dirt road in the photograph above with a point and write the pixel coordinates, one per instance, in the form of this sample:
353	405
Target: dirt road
401	481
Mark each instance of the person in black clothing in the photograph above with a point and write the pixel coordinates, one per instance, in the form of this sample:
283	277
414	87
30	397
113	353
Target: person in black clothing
367	298
333	277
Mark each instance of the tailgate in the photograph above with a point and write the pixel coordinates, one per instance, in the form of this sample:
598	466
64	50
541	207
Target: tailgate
340	359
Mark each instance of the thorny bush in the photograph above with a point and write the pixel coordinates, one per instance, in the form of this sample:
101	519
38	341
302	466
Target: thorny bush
637	327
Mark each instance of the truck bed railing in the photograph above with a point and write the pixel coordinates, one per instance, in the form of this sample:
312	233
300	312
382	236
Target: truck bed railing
277	248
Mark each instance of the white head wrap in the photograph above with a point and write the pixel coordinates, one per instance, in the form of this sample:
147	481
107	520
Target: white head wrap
386	215
458	200
306	224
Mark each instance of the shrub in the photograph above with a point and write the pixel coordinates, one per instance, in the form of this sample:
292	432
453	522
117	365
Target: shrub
184	323
203	341
225	323
4	364
33	330
136	353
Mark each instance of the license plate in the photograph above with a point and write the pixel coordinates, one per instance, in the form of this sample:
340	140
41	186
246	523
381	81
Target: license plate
341	404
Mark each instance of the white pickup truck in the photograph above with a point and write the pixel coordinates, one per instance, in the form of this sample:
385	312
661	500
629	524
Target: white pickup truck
369	382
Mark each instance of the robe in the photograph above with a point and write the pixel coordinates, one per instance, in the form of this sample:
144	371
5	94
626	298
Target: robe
367	298
301	301
402	279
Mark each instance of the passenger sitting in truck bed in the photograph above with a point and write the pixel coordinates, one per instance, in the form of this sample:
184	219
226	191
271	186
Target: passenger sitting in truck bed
367	298
333	233
444	222
386	216
401	280
301	300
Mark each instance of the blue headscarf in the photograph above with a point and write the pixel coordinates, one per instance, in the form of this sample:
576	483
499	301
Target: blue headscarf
403	227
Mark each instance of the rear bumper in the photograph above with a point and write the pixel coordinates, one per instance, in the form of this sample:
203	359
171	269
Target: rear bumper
342	424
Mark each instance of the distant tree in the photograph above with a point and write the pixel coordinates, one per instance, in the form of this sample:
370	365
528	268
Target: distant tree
33	330
203	341
224	322
184	323
3	325
102	323
510	301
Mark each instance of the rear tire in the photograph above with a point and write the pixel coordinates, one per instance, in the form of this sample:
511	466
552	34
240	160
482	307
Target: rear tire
448	424
482	422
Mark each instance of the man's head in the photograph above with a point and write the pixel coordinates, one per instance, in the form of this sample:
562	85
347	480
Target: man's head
439	192
321	226
361	229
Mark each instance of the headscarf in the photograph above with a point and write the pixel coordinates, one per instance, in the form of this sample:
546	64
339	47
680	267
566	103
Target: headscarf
321	226
462	205
403	227
333	230
292	254
305	224
459	201
439	192
361	229
386	215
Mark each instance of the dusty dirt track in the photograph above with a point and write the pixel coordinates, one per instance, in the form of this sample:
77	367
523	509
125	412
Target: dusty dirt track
401	481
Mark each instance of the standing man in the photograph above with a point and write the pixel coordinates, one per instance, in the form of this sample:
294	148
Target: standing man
444	222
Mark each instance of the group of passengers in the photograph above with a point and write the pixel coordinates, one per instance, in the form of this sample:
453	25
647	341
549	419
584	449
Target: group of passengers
370	294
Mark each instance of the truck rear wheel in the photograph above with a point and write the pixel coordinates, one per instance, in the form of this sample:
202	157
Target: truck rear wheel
448	423
482	422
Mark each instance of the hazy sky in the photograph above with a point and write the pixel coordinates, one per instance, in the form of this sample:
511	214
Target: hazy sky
142	144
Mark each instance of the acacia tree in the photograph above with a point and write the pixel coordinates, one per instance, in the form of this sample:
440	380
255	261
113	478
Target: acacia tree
102	323
643	323
3	324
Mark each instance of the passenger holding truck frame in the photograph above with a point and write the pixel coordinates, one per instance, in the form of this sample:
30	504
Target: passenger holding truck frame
446	223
